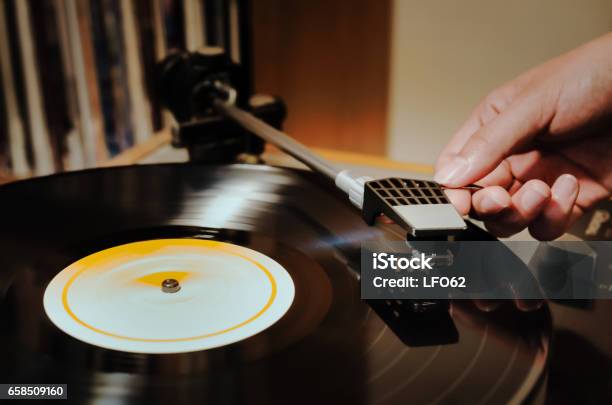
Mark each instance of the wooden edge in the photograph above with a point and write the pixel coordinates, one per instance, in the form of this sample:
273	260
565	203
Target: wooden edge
140	151
7	178
163	137
362	159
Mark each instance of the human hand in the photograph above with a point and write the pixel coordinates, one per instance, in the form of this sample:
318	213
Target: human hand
540	145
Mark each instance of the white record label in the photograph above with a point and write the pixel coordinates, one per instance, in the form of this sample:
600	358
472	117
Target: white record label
114	298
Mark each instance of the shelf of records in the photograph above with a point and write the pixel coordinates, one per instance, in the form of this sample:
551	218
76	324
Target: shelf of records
76	78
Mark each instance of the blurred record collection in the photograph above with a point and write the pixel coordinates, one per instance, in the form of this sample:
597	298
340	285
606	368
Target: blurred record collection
75	78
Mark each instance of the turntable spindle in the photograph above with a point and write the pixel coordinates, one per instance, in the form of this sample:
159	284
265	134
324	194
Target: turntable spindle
170	285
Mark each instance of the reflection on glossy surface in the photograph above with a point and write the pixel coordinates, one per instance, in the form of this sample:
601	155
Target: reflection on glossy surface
329	347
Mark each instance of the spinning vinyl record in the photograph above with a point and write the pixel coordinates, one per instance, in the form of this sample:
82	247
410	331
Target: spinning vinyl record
231	285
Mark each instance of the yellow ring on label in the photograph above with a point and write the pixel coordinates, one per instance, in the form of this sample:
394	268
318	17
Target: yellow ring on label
151	245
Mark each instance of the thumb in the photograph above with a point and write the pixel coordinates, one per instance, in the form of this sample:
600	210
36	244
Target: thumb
516	126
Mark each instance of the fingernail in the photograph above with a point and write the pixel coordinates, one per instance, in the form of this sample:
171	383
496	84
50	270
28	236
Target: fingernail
533	196
491	204
565	187
450	173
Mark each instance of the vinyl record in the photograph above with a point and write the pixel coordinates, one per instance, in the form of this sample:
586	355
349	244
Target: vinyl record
263	256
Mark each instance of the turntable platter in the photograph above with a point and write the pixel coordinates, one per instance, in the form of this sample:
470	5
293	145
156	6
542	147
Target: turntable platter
318	344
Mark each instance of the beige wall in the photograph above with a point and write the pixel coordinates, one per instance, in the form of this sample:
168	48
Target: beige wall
447	54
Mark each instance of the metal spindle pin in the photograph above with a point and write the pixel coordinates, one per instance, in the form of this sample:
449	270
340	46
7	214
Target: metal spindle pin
170	285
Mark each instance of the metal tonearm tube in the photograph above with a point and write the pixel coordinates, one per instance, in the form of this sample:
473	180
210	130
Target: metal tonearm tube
419	206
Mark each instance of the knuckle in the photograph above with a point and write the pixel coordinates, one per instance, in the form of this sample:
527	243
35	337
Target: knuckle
498	99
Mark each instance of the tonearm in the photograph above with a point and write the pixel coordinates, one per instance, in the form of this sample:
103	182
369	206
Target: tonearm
199	88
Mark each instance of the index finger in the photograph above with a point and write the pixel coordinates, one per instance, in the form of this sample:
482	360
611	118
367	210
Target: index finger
492	143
